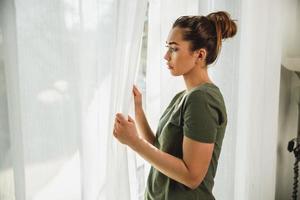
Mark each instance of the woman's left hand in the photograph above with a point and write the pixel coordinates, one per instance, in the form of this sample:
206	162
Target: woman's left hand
125	130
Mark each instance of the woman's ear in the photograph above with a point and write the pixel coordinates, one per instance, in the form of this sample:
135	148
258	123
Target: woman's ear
202	54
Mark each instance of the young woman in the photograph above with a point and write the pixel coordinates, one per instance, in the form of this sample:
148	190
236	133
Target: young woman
185	150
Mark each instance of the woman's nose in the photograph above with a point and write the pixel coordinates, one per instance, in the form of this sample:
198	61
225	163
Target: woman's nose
167	56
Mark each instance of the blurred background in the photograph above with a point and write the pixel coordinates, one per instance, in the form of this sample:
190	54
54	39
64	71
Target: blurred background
67	66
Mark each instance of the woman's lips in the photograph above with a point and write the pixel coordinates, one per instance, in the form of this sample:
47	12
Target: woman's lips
170	67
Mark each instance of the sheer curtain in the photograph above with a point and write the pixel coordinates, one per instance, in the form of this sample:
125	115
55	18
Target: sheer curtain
257	116
247	72
66	68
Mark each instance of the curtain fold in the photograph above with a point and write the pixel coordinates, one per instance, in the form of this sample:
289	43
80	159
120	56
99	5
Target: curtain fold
69	67
12	176
258	100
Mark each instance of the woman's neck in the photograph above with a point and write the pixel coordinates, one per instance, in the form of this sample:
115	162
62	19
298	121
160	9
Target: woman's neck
195	77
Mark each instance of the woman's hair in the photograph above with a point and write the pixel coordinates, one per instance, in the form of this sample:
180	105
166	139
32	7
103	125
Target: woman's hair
207	32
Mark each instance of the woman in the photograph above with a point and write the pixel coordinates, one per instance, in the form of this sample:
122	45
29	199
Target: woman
185	150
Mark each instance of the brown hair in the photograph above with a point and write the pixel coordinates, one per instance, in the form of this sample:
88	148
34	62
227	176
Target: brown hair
207	32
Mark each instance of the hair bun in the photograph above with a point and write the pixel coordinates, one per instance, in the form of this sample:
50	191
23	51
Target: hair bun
224	24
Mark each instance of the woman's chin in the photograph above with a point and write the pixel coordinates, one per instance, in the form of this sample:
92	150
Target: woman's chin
174	73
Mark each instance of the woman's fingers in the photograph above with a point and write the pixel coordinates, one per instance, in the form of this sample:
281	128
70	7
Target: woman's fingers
116	125
136	90
115	130
130	119
120	118
116	120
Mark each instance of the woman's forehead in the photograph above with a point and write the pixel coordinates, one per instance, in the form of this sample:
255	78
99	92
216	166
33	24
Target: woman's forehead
175	35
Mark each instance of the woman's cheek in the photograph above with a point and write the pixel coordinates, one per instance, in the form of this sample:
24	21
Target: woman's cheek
175	59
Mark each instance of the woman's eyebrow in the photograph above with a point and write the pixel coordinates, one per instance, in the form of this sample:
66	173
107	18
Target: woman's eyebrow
172	43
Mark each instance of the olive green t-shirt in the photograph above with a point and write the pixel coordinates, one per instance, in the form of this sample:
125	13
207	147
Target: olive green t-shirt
198	114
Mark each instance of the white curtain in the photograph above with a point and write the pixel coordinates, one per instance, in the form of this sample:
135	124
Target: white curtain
257	117
66	68
247	72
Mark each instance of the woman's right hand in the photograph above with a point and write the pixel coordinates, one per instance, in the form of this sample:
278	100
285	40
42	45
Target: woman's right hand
137	98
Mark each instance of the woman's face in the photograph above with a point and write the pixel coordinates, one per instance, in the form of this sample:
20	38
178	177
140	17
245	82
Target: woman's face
180	59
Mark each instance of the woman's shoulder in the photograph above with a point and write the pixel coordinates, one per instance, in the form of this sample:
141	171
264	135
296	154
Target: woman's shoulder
204	90
207	96
208	92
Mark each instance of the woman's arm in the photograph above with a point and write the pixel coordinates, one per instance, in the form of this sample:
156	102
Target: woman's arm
141	120
190	170
143	126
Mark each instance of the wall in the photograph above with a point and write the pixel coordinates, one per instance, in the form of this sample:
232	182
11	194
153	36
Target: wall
288	99
287	126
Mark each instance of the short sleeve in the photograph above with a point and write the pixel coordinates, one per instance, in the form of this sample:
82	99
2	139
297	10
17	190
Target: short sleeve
200	120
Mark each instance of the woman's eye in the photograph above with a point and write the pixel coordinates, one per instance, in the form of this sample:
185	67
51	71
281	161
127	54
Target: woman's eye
172	49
